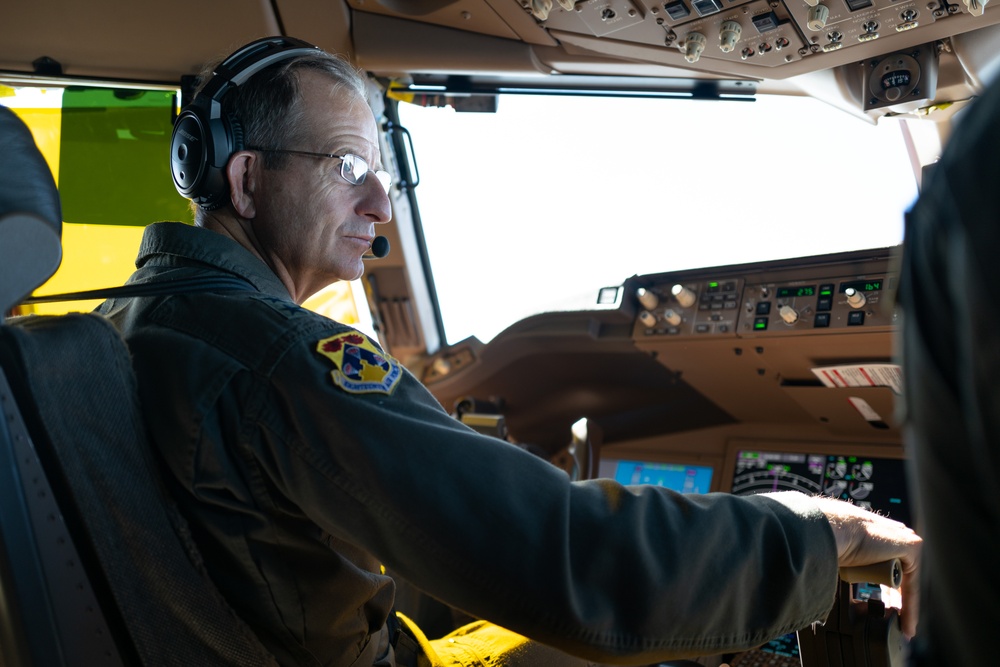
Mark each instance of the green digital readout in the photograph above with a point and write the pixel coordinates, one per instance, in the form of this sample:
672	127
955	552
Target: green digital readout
805	290
873	285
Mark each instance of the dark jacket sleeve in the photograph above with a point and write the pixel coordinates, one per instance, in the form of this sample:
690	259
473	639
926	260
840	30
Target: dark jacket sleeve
595	568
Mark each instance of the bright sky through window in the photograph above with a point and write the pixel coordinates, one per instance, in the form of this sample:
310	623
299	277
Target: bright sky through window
538	206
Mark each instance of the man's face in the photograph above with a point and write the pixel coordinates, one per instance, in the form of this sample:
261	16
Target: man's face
315	226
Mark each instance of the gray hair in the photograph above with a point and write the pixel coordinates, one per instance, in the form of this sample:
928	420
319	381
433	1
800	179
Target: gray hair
267	107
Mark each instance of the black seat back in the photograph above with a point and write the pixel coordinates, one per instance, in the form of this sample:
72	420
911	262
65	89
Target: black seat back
96	564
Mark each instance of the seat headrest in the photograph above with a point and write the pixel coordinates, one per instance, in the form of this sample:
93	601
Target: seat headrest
30	213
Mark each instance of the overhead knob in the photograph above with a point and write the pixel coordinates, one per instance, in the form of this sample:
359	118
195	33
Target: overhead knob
817	18
540	9
672	317
789	314
684	296
647	319
729	34
647	298
694	44
855	299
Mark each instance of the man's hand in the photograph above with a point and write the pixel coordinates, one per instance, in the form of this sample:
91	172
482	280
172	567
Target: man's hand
864	537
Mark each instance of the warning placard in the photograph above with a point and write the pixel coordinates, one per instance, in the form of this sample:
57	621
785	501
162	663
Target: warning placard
861	375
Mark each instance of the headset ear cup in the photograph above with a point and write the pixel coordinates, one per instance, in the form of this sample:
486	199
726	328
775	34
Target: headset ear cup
213	192
204	137
188	153
225	139
199	150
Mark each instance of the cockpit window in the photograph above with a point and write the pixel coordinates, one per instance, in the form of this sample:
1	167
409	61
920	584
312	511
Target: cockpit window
538	206
108	150
115	136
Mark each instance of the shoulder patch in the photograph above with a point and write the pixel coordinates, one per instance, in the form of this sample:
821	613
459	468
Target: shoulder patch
359	366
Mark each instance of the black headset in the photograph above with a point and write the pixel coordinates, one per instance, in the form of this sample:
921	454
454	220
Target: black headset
204	137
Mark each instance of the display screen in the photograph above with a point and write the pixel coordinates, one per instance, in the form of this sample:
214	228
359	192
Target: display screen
786	645
873	285
875	483
789	292
675	476
878	483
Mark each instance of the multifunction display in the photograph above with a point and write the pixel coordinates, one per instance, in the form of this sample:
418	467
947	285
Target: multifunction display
875	483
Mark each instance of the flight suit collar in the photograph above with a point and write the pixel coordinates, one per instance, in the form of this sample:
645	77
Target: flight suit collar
163	242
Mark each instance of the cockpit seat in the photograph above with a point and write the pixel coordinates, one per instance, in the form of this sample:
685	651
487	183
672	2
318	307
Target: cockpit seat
96	564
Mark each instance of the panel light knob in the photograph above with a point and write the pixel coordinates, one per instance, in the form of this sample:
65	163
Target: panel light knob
684	296
694	44
729	34
817	18
647	298
855	299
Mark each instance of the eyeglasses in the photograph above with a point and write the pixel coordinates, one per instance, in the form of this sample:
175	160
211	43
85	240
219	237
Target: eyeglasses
353	168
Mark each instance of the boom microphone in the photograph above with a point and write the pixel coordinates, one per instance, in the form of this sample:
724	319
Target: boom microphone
378	249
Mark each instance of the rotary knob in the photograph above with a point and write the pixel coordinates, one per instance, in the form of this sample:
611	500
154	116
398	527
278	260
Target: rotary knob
684	295
788	314
647	319
817	18
694	44
540	9
855	299
647	298
672	317
729	34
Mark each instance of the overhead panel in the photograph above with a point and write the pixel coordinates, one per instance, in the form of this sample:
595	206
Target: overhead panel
762	39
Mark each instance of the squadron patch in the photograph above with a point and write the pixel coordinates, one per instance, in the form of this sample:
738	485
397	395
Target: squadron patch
360	367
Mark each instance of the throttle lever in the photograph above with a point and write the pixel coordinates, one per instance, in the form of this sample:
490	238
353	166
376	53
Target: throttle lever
888	573
857	632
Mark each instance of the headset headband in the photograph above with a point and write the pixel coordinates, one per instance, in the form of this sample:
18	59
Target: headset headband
204	138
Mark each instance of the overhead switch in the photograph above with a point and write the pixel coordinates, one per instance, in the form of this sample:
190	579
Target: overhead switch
677	10
765	22
707	7
976	7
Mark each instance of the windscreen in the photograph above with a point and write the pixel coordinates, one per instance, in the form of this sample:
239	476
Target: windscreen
537	206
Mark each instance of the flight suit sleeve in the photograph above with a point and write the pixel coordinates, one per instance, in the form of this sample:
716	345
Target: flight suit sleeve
595	568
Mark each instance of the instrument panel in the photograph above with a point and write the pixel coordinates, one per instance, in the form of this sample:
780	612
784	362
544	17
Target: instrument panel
839	296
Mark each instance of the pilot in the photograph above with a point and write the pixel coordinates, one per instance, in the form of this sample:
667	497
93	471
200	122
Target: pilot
949	299
308	460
